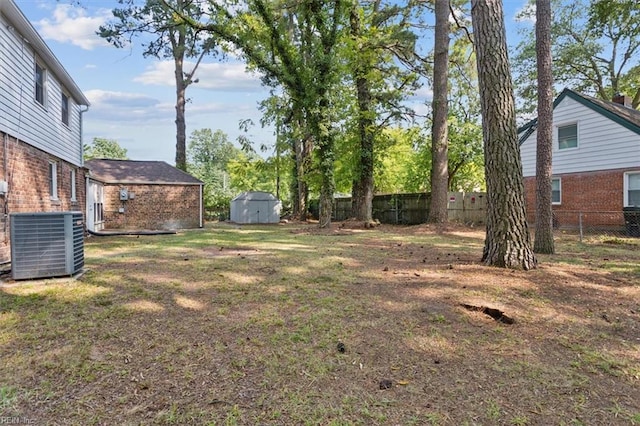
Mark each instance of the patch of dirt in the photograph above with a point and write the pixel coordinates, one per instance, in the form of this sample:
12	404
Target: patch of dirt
301	325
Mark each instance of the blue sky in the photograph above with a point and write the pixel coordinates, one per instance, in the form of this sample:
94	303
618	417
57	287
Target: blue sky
133	98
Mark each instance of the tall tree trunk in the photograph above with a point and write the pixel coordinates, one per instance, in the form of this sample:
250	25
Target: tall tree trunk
439	135
295	195
178	41
326	166
181	127
507	242
544	213
362	189
302	154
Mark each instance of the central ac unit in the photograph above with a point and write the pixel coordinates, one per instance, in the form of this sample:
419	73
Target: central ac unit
46	244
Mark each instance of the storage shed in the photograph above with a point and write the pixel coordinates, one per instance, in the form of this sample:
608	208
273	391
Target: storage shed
255	207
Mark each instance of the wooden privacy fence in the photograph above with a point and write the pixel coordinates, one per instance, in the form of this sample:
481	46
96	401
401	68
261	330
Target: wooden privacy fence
412	209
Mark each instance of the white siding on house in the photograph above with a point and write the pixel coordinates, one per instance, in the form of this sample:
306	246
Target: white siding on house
528	155
20	115
603	144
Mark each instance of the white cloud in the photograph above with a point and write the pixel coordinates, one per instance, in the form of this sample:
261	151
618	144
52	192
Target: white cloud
144	125
158	74
121	107
228	77
127	107
421	109
199	109
424	93
526	13
72	25
459	16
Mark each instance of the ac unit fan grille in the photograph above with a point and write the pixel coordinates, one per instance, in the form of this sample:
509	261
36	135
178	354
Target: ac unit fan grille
46	244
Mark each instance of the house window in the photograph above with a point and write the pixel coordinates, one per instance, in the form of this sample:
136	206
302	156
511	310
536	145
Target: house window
40	84
65	109
632	189
556	191
53	180
73	185
568	136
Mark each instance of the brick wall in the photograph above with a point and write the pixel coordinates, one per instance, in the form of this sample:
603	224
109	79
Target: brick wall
584	192
154	207
26	169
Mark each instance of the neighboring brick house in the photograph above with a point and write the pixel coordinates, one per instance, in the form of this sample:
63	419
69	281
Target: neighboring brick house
41	107
596	158
142	195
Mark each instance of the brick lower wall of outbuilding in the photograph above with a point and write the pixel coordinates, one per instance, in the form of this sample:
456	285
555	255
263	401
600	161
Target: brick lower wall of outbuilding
588	192
154	207
26	169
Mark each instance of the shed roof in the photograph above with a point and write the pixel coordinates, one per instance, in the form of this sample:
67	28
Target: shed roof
255	196
138	172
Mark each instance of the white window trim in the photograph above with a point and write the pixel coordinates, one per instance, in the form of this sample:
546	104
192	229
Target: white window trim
556	203
53	180
626	186
73	185
556	139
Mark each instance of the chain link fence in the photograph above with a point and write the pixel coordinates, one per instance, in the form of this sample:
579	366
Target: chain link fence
413	208
586	224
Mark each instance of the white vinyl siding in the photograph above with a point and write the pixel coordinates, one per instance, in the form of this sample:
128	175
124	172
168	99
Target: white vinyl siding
556	191
632	189
603	143
20	114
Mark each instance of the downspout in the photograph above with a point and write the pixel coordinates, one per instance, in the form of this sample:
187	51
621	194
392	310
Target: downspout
6	179
82	111
86	183
86	205
5	163
201	206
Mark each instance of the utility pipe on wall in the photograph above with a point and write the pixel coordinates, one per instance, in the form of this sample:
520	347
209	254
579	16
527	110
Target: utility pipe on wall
201	207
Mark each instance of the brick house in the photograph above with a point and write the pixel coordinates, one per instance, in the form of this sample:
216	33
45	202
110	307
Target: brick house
142	195
41	107
596	159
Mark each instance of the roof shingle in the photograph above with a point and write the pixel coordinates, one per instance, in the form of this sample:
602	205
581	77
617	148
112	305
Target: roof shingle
625	116
138	172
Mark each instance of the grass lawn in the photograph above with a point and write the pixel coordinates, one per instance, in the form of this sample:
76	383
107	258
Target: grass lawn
291	325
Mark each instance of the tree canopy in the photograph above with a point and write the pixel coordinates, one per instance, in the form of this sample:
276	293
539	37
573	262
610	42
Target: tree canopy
595	48
164	36
104	149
